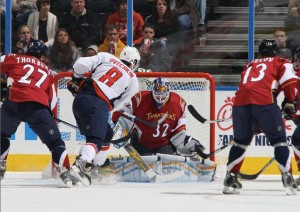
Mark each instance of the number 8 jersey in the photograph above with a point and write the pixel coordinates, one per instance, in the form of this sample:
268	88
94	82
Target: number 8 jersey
115	82
261	77
32	79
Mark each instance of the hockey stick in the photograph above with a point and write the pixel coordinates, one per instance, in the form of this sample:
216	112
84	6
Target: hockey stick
201	119
254	176
205	156
135	118
120	140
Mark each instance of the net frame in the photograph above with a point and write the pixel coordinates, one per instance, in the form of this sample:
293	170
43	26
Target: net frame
179	75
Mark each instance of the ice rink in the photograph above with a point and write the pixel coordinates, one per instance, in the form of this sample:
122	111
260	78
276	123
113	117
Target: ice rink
27	192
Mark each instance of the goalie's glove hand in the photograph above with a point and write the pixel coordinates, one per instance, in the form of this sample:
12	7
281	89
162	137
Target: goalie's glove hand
190	145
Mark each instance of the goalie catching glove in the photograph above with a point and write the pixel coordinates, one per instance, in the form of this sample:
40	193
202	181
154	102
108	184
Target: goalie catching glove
185	144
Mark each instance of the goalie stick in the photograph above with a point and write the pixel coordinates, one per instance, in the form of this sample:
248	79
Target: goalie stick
254	176
201	119
205	156
120	140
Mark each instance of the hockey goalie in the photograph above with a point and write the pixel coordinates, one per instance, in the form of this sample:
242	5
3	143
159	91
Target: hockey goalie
166	146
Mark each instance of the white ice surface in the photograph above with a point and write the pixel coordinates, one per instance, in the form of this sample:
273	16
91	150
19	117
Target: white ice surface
27	192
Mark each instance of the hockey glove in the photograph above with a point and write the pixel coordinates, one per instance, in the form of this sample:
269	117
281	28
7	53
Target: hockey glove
73	85
190	144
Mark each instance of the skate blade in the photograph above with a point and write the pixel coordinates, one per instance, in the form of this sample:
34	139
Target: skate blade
84	179
230	190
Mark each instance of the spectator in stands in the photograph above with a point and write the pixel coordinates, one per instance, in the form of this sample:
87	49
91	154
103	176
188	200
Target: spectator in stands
112	43
292	23
21	10
166	26
201	6
293	18
63	53
281	43
91	51
187	15
119	18
154	53
25	37
82	26
43	24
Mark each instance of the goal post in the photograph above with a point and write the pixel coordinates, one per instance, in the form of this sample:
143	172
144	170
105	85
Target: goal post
197	89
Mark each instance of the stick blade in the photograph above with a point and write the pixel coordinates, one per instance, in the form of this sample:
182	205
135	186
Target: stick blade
196	114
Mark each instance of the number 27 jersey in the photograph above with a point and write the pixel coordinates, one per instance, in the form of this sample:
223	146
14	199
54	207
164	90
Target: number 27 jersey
261	77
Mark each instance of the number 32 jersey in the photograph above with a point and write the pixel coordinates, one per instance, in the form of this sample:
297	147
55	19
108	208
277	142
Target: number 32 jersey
115	82
32	79
261	77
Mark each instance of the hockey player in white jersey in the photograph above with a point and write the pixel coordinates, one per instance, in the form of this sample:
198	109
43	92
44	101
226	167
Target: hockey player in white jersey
110	84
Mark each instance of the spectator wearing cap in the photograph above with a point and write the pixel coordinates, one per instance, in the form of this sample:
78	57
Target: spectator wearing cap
112	43
119	18
281	43
43	24
91	51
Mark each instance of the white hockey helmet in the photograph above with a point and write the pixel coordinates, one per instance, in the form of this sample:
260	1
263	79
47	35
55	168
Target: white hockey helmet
131	55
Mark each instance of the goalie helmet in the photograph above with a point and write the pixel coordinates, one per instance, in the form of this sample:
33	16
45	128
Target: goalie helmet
36	49
160	91
267	48
130	55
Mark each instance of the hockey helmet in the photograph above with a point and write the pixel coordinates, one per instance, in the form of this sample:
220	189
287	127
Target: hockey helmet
267	48
36	49
130	55
160	91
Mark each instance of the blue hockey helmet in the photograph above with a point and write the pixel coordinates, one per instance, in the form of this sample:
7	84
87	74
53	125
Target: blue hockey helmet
160	91
36	49
267	48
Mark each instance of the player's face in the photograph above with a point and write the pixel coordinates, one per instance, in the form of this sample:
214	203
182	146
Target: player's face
161	7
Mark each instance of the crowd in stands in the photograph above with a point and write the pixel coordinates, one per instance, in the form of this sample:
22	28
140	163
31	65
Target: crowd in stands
74	28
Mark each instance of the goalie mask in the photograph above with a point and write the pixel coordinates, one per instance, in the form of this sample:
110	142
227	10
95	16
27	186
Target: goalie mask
160	91
267	48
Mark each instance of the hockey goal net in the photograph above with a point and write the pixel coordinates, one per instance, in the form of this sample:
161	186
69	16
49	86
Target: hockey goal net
198	89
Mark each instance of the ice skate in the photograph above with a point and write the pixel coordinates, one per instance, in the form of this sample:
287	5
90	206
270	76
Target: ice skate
2	169
69	179
232	184
289	183
81	169
104	174
297	180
